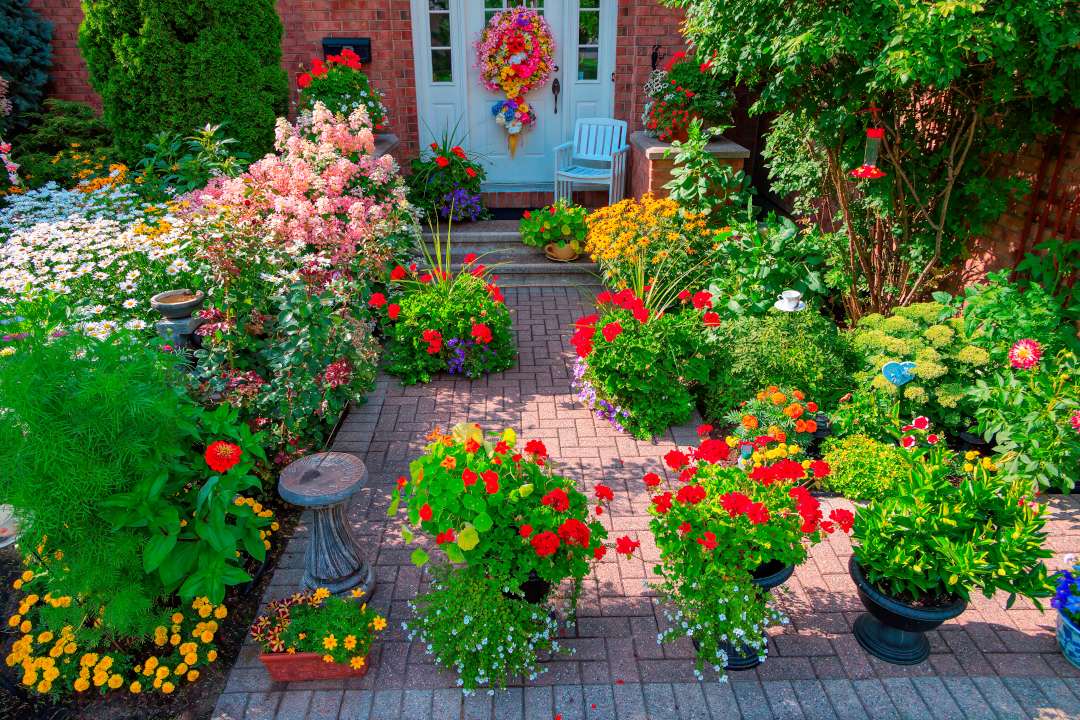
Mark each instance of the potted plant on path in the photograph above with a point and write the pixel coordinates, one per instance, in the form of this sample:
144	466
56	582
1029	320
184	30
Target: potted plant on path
921	550
517	528
316	636
559	229
726	537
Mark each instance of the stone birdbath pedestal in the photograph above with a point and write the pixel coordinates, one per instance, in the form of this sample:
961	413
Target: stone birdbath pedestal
325	482
177	309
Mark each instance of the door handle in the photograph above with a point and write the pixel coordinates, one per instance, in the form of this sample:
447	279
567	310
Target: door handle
556	88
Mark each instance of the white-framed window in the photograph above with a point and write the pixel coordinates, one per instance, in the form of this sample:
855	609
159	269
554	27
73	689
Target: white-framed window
442	67
588	40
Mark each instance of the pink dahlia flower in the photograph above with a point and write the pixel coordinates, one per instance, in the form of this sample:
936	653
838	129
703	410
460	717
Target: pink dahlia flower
1025	354
1075	420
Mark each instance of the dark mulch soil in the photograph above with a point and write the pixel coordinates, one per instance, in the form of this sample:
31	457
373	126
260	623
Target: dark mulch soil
191	701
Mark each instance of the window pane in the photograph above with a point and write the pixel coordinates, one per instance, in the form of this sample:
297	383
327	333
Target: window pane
440	29
588	63
440	66
493	3
440	4
590	3
487	16
589	28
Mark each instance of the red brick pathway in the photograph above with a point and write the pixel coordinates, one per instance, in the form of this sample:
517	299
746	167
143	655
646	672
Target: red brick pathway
990	662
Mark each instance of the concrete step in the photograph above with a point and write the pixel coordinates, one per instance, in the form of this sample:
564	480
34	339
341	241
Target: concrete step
497	244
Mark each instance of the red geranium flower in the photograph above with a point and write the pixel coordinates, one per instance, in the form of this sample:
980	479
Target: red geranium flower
441	161
676	459
397	273
481	333
735	503
545	544
709	541
684	295
684	527
525	531
711	319
459	152
470	172
600	552
221	456
377	300
652	480
611	331
641	314
690	494
393	311
662	503
844	518
626	546
603	298
758	514
434	146
603	492
557	499
304	80
537	448
574	532
702	299
704	430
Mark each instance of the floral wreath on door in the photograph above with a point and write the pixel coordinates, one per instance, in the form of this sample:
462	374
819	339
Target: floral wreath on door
514	55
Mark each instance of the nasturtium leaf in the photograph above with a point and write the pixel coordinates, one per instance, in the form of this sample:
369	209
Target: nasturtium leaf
453	553
419	557
526	490
469	538
405	534
509	437
474	502
392	510
483	522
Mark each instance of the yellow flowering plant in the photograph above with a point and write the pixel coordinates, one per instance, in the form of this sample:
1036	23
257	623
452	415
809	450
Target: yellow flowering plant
339	629
652	247
57	654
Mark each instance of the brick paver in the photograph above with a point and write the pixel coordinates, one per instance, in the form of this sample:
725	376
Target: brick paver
988	663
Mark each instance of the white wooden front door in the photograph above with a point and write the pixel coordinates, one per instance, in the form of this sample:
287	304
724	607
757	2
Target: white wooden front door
448	89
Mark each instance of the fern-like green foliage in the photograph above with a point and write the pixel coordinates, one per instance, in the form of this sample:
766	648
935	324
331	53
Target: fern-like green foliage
83	420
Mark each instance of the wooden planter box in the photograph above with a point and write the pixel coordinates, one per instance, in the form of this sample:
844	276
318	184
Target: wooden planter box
294	667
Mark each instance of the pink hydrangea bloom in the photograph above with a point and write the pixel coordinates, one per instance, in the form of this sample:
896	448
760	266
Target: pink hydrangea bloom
1025	354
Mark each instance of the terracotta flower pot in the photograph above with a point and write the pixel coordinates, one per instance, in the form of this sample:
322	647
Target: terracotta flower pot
682	134
294	667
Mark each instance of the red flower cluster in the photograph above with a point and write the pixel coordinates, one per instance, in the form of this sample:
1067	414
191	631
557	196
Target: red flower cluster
574	532
783	470
434	340
662	503
612	331
690	494
626	546
377	300
545	543
711	451
491	482
459	152
398	273
652	480
481	333
537	448
441	161
447	536
496	294
708	541
702	300
393	311
735	503
557	499
676	459
603	492
221	456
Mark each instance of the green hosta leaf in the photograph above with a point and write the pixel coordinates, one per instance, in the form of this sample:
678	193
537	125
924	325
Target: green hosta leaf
419	557
483	522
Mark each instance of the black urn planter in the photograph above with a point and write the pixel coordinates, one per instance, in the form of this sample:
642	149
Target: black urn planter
892	630
533	590
765	576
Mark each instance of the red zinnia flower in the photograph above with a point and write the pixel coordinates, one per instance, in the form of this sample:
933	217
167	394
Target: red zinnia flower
221	456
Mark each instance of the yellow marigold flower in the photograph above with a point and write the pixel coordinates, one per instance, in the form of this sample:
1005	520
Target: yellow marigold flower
151	663
167	688
357	662
211	656
157	682
212	626
350	642
29	678
970	455
14	620
266	544
45	637
257	507
18	583
136	687
205	610
193	675
191	658
56	651
175	639
115	681
81	684
162	672
969	467
50	674
207	636
181	669
44	686
221	612
100	679
178	618
274	526
89	660
27	576
105	663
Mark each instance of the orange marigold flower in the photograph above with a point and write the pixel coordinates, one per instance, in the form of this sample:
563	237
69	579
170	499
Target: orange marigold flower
793	411
811	426
749	422
798	395
779	398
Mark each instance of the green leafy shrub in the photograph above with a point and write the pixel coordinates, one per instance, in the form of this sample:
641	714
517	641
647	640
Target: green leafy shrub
759	260
1006	312
930	539
60	142
946	360
168	66
193	515
640	369
493	505
866	411
457	323
862	467
317	622
84	420
342	87
1033	417
802	349
473	629
701	185
25	57
170	168
561	223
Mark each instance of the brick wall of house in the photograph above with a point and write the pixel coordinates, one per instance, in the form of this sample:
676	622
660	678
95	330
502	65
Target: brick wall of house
996	247
70	79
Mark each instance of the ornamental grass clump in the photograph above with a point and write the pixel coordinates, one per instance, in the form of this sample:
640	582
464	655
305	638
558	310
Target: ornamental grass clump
490	504
439	320
931	540
640	368
714	527
473	626
945	358
339	629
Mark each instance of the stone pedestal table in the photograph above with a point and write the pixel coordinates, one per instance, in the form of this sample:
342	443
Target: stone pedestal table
325	482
